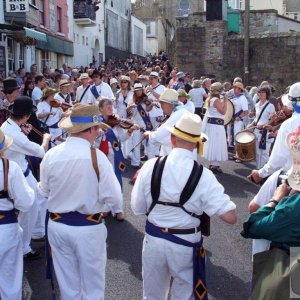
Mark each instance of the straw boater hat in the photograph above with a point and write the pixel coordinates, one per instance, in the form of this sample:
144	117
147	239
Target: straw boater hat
138	86
84	76
238	85
124	78
293	142
64	82
82	117
169	96
5	142
183	93
293	96
48	92
188	128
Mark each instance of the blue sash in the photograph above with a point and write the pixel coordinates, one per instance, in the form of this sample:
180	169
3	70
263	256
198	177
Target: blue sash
119	161
55	125
145	117
263	139
200	290
27	171
95	92
215	121
232	127
8	217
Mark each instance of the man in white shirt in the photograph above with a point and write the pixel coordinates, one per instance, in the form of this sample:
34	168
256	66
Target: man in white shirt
83	92
173	238
37	93
76	192
20	112
13	185
100	88
173	111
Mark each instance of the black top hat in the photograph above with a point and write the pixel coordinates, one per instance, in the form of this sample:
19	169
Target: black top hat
96	73
22	106
9	85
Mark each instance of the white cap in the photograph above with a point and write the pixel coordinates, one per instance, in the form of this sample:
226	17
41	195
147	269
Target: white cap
154	74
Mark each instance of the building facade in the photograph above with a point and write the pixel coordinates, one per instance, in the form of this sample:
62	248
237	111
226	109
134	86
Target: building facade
37	36
160	19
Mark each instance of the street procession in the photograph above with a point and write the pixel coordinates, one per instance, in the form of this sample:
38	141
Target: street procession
155	175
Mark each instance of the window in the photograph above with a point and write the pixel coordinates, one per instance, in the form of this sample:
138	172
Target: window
33	2
21	56
87	41
42	12
150	29
45	59
10	54
58	18
83	40
77	38
184	8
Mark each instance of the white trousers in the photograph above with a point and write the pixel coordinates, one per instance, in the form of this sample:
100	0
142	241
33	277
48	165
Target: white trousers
11	262
27	220
79	258
262	155
161	261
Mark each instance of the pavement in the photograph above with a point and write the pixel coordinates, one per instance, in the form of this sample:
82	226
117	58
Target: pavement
228	266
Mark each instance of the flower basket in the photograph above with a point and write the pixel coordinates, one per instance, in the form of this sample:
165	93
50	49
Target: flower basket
29	41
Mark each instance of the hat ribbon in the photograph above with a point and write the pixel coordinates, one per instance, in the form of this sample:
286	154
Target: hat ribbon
194	138
87	119
2	144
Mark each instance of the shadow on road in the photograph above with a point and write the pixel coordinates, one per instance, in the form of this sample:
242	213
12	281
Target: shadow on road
125	243
222	285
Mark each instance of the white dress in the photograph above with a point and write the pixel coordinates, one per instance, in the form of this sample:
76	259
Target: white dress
215	148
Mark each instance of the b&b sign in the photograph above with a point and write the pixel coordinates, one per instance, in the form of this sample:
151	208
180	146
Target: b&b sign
17	5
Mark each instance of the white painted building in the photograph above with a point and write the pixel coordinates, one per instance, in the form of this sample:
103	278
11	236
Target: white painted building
138	37
87	35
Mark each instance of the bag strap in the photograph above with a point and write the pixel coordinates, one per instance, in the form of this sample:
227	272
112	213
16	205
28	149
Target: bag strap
95	162
156	181
5	163
84	92
260	115
191	183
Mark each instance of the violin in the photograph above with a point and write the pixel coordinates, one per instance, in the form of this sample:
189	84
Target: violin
64	105
280	117
114	120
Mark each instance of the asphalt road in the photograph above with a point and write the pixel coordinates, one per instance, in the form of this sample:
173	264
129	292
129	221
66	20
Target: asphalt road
228	254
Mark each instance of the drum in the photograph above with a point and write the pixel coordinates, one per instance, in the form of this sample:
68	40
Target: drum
245	145
229	112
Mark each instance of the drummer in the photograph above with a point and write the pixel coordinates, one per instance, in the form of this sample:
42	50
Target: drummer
264	110
240	104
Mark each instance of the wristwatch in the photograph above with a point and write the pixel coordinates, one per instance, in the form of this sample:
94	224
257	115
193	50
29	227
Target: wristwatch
274	201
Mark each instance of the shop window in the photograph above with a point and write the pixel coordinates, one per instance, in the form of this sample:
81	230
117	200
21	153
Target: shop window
59	21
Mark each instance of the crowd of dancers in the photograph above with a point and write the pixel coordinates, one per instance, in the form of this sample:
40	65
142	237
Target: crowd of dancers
67	136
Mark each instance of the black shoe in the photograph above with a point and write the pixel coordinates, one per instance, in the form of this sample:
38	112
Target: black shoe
144	158
32	255
41	239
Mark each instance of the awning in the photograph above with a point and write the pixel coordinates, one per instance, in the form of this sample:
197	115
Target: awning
35	34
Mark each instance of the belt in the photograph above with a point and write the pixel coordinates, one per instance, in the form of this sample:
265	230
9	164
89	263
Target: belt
8	217
180	231
75	218
27	171
216	121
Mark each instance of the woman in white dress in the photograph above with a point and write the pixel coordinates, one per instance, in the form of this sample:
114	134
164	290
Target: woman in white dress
215	148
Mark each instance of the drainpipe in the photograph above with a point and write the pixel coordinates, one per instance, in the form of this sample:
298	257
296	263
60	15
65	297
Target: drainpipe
246	42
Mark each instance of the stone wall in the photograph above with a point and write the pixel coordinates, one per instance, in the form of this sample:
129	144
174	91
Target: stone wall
204	48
